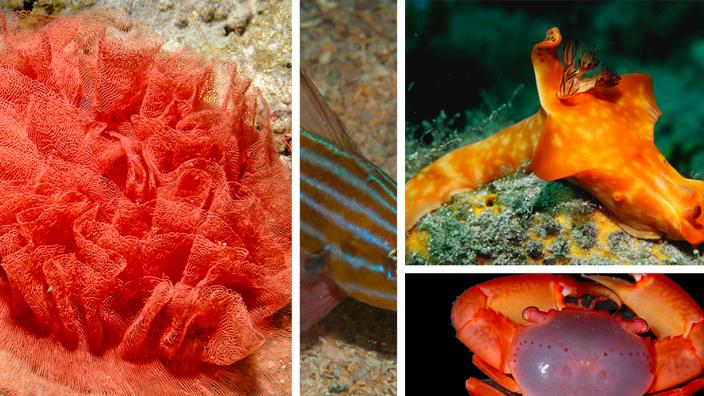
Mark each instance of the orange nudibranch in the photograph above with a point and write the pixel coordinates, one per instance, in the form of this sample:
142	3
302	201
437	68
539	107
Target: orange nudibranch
596	131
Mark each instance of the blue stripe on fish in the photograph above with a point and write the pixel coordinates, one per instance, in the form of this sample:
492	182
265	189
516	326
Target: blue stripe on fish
346	175
366	165
341	222
350	203
354	261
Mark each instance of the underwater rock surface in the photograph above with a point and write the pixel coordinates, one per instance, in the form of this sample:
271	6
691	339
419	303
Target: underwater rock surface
521	219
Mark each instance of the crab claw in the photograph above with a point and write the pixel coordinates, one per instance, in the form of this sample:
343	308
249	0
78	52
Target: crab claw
675	319
487	333
667	308
487	315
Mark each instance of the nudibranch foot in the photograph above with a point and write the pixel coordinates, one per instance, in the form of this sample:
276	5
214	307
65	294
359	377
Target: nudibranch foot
639	233
649	203
471	166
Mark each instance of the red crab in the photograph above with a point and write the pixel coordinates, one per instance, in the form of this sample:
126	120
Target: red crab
537	335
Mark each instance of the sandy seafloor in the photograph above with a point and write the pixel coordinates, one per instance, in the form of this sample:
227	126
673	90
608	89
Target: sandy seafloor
349	50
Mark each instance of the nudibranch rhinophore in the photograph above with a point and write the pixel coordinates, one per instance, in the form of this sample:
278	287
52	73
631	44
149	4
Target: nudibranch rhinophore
593	128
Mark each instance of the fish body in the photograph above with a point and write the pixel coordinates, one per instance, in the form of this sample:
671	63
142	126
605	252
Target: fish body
348	217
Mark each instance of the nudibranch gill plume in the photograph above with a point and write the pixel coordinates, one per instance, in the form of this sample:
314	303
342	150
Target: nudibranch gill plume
593	128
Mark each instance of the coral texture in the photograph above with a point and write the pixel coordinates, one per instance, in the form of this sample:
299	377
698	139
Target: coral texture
144	216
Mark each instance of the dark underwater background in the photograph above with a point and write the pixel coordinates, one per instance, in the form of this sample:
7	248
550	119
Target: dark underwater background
468	69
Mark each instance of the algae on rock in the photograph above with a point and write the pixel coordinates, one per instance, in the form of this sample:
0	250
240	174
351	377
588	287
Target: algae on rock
521	219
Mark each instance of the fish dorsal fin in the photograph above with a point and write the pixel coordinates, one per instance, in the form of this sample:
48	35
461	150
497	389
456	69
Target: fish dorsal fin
318	118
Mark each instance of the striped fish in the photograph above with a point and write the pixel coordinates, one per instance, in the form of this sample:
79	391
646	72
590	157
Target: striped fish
348	217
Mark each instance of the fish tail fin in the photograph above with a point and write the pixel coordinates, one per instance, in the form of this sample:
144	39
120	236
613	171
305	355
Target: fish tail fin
471	166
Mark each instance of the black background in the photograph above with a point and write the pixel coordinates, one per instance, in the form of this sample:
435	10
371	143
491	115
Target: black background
436	361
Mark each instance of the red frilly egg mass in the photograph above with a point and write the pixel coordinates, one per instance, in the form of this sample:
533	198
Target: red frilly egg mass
145	217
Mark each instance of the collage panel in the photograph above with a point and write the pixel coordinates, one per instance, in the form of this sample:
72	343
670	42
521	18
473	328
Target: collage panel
155	188
348	202
554	334
559	133
145	197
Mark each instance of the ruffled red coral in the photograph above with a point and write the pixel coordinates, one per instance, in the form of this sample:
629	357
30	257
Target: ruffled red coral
144	215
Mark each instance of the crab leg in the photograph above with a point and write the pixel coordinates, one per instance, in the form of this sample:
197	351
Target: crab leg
501	379
476	387
487	315
676	320
687	390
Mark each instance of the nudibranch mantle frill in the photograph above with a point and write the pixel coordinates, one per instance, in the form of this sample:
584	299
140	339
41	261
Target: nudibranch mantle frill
598	134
